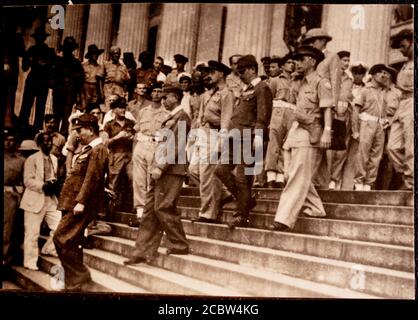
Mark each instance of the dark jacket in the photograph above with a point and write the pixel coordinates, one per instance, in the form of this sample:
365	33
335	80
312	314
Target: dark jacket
85	183
174	145
254	108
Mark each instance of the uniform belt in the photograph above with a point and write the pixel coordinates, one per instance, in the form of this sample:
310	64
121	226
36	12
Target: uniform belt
115	82
18	189
283	104
368	117
144	138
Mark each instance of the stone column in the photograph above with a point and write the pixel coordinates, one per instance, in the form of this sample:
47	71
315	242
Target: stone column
74	26
133	28
278	47
369	44
210	30
99	28
54	40
178	31
248	30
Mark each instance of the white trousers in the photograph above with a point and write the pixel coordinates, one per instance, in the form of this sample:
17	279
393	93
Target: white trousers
33	221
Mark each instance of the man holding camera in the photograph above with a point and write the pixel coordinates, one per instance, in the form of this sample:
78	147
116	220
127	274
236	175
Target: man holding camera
39	200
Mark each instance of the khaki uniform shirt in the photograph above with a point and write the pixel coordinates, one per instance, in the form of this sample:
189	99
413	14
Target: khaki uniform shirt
217	108
116	76
314	96
135	107
91	71
280	87
405	83
150	120
13	169
405	80
372	100
235	84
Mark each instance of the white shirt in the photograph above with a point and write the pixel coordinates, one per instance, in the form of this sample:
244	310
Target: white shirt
185	103
161	77
109	116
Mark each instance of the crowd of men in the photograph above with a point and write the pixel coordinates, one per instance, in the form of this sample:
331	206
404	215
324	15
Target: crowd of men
318	121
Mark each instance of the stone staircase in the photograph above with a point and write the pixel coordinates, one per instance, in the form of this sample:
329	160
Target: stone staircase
364	248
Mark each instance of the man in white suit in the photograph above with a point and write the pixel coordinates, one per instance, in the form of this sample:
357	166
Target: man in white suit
39	201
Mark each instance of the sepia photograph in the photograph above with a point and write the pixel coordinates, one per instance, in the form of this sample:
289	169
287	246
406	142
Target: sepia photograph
223	150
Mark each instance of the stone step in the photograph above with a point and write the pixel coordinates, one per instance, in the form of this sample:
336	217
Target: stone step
153	279
344	229
101	282
368	253
253	281
368	213
29	280
377	281
10	286
388	198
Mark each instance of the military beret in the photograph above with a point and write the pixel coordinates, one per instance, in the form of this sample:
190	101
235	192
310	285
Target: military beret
309	51
288	56
118	103
277	60
265	60
401	35
157	85
343	54
202	66
315	33
246	62
358	67
378	67
185	76
219	66
129	56
166	69
179	58
172	89
91	106
84	120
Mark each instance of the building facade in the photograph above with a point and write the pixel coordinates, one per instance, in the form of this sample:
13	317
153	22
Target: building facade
216	31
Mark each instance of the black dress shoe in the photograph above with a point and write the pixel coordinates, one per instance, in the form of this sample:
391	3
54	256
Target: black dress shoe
77	287
252	203
272	185
226	200
238	222
177	251
206	220
134	260
280	185
277	226
134	222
